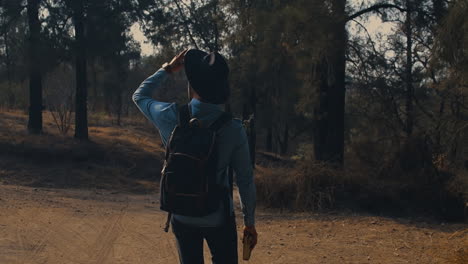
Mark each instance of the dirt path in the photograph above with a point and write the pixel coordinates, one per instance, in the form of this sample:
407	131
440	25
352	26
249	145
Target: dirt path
75	226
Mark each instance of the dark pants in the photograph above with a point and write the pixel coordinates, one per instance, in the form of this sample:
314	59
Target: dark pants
221	240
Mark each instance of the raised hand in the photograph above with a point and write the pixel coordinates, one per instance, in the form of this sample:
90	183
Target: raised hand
176	63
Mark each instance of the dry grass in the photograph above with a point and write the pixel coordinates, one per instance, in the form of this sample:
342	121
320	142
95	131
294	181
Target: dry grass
129	157
406	185
455	251
308	186
461	257
123	158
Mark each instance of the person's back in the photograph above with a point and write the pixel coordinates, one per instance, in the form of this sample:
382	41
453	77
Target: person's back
207	75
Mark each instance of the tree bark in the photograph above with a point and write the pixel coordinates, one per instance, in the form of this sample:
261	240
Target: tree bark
7	57
409	71
35	77
81	115
269	139
329	114
320	112
94	99
373	8
10	95
285	141
119	110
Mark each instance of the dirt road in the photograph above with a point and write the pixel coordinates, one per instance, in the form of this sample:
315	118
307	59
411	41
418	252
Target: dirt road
60	226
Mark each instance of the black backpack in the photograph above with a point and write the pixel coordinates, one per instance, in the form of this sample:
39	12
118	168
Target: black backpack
188	179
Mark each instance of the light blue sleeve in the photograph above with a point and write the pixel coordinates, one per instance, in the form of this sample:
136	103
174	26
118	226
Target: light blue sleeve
162	114
242	166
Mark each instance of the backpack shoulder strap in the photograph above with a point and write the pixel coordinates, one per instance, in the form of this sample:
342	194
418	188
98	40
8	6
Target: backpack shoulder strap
221	121
184	115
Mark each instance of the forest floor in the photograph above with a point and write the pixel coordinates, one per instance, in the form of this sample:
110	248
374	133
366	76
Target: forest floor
61	202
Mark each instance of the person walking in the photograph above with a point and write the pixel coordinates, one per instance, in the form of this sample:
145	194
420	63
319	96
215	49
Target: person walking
208	89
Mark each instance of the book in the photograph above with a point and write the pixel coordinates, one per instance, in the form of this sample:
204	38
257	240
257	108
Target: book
247	249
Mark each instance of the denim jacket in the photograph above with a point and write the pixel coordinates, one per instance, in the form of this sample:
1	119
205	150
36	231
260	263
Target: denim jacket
232	143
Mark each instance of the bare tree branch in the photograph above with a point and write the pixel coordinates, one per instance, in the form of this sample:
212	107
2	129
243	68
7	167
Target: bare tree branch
368	34
186	24
372	9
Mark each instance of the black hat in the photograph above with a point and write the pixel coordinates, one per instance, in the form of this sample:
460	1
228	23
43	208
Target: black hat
208	74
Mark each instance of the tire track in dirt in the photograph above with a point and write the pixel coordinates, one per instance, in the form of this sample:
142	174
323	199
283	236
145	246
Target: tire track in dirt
20	241
107	237
160	249
145	240
32	253
69	243
63	227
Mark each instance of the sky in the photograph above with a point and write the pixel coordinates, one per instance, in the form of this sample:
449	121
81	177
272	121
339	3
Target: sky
146	47
374	25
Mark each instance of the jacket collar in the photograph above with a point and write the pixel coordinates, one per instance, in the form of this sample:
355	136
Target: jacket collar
202	105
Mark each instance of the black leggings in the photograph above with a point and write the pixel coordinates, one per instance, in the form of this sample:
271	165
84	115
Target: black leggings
221	240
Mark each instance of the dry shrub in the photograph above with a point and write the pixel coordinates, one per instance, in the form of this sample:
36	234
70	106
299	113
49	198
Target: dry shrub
316	183
459	184
461	257
59	97
114	158
411	178
273	187
310	185
403	181
454	250
458	188
457	253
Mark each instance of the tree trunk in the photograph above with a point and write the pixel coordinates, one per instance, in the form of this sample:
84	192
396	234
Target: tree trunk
269	139
81	115
94	100
285	141
7	57
329	115
35	78
10	95
320	112
119	109
409	72
253	99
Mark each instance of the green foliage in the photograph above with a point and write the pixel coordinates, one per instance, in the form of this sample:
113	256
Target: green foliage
452	40
180	24
274	48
